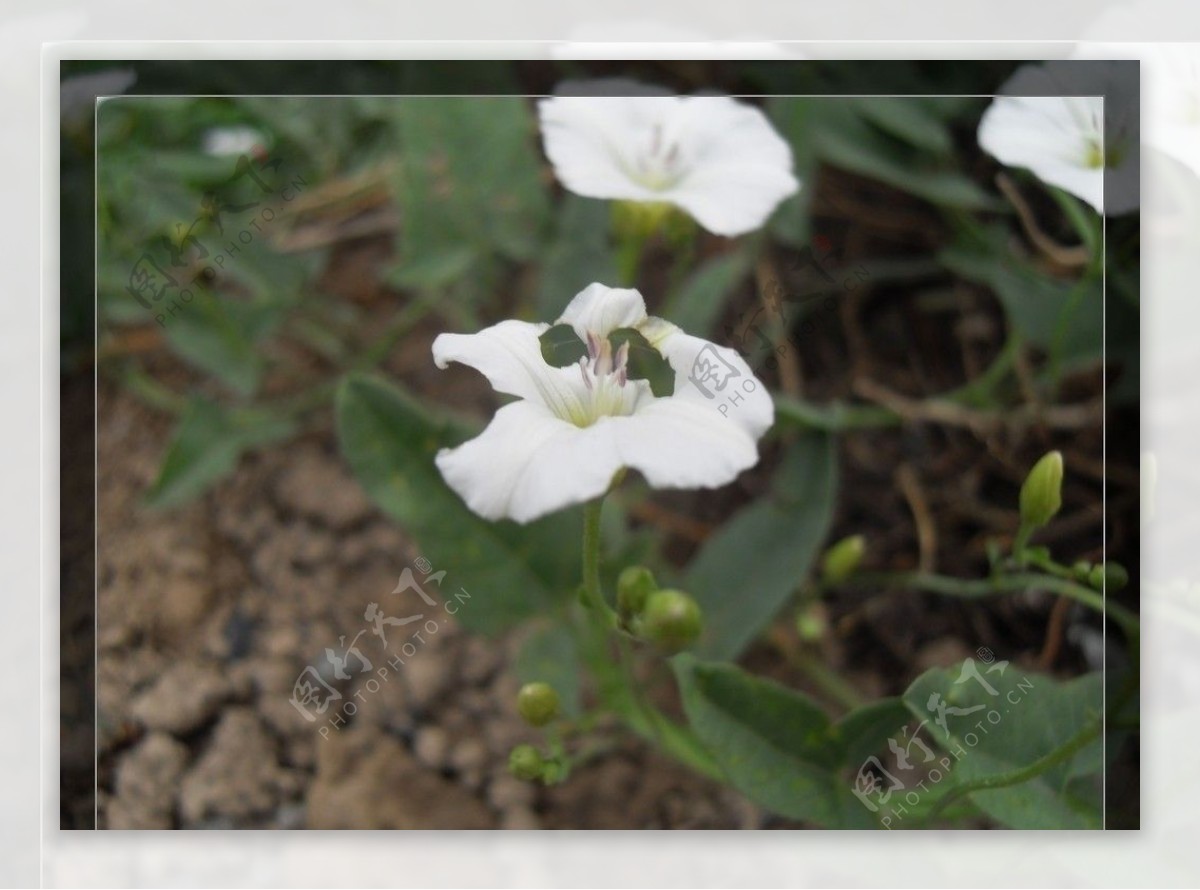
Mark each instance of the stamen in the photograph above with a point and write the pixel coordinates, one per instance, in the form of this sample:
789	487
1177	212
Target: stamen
583	370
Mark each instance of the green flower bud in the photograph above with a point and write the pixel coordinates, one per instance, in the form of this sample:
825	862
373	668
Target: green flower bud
634	586
843	558
525	762
671	620
537	703
1110	575
811	623
1082	571
1041	495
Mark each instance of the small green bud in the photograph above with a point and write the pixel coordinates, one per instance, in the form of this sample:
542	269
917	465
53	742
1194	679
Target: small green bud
634	586
843	558
537	703
671	620
1041	495
1110	575
1082	571
525	762
811	623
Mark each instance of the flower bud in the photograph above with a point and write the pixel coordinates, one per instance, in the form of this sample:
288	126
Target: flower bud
811	623
537	703
1041	495
634	586
1082	570
843	558
670	620
525	762
1109	575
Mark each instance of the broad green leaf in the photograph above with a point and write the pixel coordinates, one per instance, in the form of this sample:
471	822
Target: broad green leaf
1000	719
916	120
747	571
512	572
206	445
866	730
696	305
550	655
468	178
771	742
579	255
206	333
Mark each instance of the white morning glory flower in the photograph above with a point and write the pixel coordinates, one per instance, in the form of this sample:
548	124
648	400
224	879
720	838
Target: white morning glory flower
719	160
1068	141
573	428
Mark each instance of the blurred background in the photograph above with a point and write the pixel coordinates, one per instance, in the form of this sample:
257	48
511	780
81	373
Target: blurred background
919	348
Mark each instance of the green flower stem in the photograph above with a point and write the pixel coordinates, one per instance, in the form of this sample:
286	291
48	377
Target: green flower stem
617	683
826	680
1014	583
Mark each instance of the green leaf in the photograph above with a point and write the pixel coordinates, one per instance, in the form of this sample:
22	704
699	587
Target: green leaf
469	179
550	655
579	255
1021	718
696	305
747	571
865	730
206	445
205	333
771	742
916	120
512	572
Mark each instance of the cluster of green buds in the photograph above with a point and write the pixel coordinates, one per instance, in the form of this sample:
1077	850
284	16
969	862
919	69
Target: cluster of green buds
668	619
1110	576
538	705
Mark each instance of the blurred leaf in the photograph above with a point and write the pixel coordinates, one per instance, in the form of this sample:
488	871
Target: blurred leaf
513	572
214	336
550	655
916	120
469	178
579	255
747	571
865	730
771	742
697	304
206	445
1035	715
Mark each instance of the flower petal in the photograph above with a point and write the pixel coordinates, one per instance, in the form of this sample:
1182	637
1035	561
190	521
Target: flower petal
528	463
600	310
713	378
676	443
509	354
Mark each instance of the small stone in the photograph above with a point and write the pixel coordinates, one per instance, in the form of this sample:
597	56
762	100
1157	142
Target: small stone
146	783
506	792
184	605
520	819
316	486
237	776
184	698
432	746
469	758
426	677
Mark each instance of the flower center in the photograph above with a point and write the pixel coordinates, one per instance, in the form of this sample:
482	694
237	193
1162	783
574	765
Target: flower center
605	375
659	165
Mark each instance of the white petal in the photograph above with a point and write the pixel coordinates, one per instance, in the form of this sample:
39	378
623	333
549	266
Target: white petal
592	140
678	443
601	310
509	354
714	378
528	463
731	199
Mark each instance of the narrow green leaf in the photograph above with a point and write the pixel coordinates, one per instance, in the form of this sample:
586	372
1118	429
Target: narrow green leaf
747	571
696	305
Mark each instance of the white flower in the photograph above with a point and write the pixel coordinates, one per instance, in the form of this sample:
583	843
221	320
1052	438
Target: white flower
237	140
717	159
573	428
1068	141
